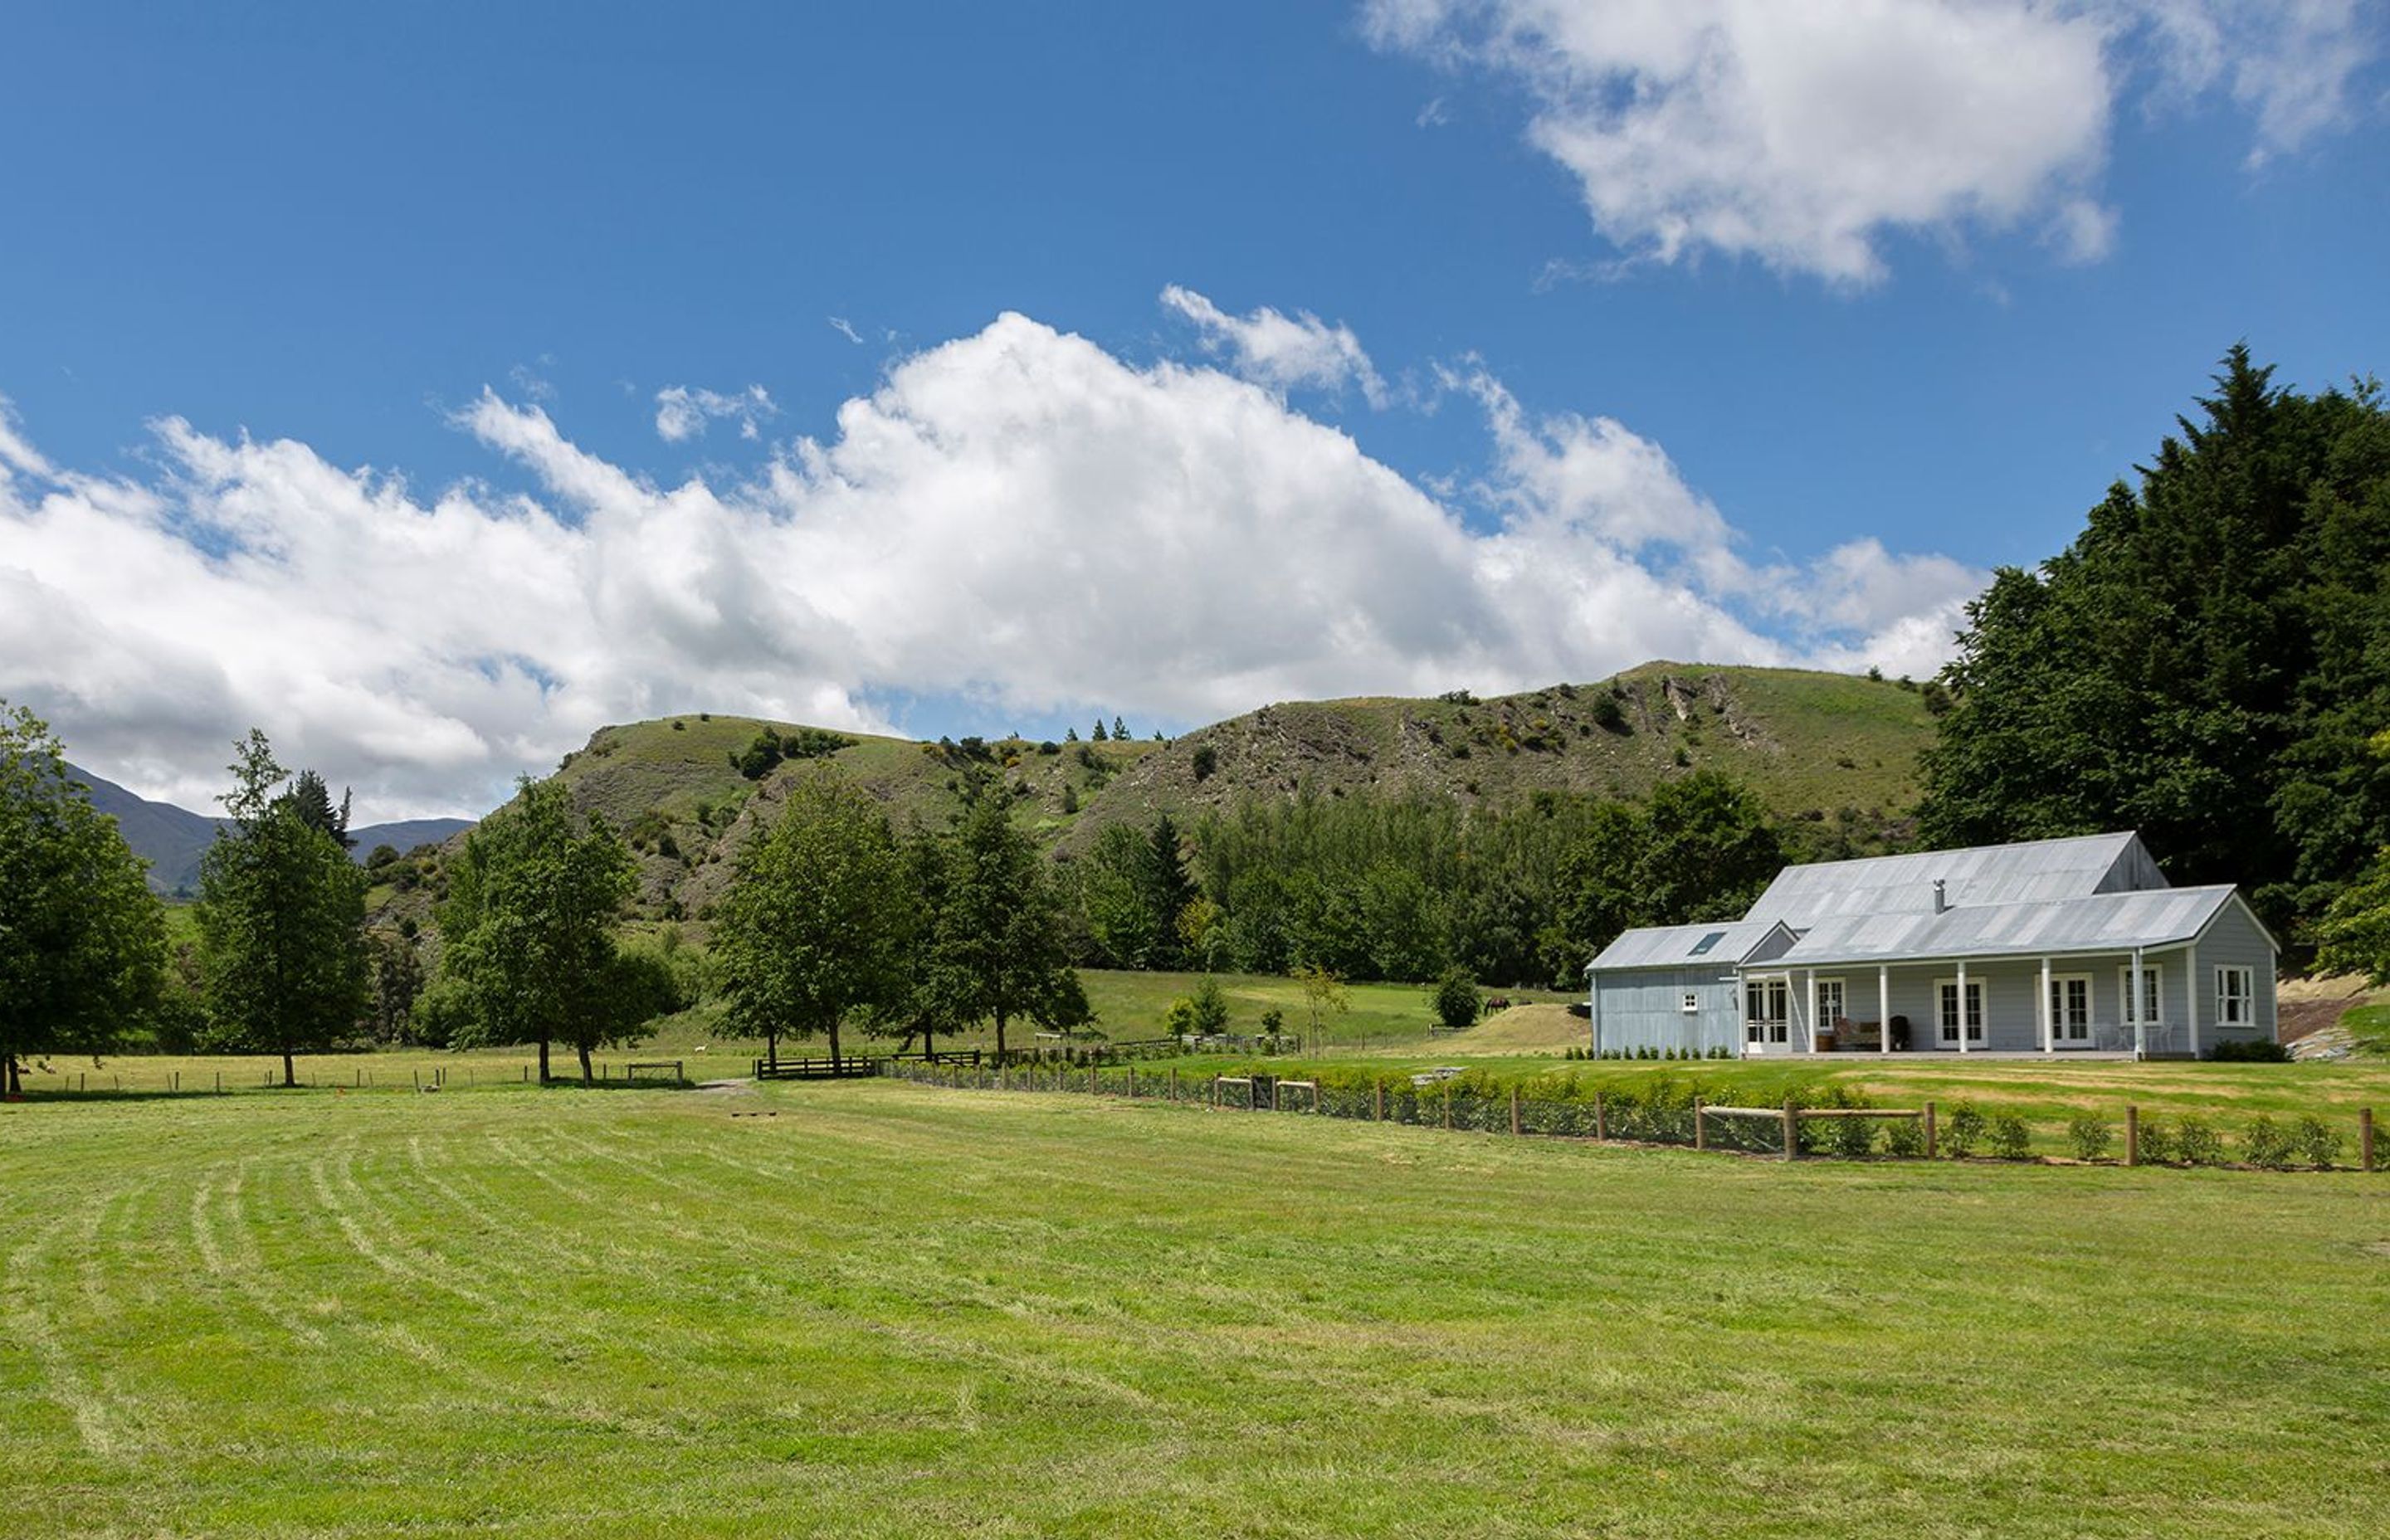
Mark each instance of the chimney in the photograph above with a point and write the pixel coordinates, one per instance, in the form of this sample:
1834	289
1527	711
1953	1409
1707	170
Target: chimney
1941	898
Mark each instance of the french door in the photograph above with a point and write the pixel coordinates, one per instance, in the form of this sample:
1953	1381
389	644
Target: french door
1766	1009
2070	1010
1956	1006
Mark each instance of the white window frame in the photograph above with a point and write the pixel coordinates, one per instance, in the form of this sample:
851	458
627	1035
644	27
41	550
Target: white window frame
2236	1007
1762	1031
1841	1008
2153	979
2063	1029
1946	1030
1692	1005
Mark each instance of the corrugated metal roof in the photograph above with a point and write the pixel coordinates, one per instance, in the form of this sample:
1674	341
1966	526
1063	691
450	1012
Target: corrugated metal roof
1675	945
2039	871
2103	922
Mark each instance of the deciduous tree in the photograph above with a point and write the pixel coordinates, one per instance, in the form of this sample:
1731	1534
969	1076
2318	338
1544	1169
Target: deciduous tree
817	927
281	920
81	939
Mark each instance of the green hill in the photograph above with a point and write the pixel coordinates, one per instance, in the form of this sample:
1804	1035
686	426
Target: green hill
1817	746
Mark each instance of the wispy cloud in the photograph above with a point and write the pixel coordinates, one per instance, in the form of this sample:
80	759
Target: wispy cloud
683	413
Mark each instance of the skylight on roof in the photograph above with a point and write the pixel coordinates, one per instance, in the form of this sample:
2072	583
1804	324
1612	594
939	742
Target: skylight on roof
1707	942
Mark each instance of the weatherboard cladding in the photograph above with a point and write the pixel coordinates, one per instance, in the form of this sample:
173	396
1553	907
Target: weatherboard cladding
2037	872
2104	922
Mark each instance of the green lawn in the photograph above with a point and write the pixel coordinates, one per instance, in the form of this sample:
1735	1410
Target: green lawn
894	1311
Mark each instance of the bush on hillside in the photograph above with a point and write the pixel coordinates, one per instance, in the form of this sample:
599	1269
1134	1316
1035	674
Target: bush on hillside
1455	999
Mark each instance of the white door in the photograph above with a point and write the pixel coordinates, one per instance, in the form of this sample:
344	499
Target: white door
1767	1004
1948	1004
2070	1010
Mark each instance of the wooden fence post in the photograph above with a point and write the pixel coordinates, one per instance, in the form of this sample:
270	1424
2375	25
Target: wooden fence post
1600	1124
2132	1135
1930	1140
1382	1101
1215	1093
2365	1138
1174	1083
1514	1112
1792	1129
1700	1138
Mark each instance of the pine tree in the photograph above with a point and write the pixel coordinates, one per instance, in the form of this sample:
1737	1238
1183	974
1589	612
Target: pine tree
997	948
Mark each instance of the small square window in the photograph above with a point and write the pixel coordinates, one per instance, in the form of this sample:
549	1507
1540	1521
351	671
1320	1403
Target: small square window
1693	1006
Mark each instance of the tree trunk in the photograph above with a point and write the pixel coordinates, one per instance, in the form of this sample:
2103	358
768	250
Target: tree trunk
11	1082
929	1043
771	1048
289	1079
833	1045
999	1036
542	1061
587	1078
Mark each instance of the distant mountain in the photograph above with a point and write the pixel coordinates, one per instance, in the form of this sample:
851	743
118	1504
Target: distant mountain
407	834
173	839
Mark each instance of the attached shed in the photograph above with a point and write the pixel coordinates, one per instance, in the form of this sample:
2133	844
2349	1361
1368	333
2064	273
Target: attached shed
1675	987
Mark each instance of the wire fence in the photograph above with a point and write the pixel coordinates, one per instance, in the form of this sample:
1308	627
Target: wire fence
1815	1122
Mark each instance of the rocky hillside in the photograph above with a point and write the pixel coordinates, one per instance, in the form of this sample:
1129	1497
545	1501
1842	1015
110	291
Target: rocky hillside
1814	746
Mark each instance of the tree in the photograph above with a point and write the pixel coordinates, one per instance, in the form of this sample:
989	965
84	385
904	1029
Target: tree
397	983
998	947
1164	890
82	941
2353	935
1455	999
1708	850
281	918
817	927
312	801
1099	735
1323	995
760	757
528	921
1120	730
2203	663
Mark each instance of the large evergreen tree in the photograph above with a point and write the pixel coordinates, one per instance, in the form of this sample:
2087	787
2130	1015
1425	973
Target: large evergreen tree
2204	664
529	926
997	944
281	920
83	942
817	927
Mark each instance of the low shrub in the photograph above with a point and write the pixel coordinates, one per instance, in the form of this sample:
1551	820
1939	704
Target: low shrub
2089	1135
2196	1143
2316	1142
1963	1132
2265	1142
1904	1138
1854	1139
2011	1139
2157	1142
2264	1051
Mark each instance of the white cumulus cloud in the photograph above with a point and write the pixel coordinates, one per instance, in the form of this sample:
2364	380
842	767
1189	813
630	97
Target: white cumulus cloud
1801	135
1017	516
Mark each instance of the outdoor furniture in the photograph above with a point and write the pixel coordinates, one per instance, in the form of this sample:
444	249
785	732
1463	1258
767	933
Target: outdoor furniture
1852	1036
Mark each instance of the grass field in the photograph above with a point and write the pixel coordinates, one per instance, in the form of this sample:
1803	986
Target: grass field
892	1311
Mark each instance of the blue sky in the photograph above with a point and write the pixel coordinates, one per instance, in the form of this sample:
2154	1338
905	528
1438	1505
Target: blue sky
1514	339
